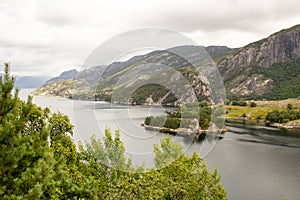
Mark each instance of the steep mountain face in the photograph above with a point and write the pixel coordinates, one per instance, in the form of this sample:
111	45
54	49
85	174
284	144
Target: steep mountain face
241	70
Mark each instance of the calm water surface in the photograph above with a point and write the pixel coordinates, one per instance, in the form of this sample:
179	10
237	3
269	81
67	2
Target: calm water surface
255	162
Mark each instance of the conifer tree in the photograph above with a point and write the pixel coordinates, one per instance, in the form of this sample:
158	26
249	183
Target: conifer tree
38	159
26	162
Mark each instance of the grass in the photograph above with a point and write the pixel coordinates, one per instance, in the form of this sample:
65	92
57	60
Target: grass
262	109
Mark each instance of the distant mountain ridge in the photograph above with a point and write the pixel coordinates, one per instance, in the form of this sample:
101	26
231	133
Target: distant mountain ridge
248	72
66	75
30	81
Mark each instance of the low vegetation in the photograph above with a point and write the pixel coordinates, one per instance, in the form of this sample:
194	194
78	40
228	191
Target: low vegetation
272	111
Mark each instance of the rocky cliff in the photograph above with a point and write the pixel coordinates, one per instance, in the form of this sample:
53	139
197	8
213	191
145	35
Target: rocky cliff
241	69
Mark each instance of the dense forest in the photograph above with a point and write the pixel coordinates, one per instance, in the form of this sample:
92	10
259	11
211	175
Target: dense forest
39	160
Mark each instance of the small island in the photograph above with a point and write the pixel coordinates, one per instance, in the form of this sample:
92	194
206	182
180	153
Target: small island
194	120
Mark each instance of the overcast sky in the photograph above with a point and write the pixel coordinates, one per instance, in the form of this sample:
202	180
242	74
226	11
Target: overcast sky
51	36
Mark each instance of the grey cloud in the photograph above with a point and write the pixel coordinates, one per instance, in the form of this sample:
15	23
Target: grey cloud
249	16
10	43
51	36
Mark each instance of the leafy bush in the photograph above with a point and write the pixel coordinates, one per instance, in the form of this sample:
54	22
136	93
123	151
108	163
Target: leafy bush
239	103
282	116
243	103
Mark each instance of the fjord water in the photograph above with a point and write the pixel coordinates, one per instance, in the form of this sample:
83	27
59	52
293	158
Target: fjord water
255	162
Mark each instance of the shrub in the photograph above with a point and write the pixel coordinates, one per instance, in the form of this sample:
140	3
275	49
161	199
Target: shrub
289	106
239	103
243	103
235	103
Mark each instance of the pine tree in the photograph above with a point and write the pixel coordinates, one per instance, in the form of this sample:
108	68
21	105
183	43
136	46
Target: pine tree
26	162
38	158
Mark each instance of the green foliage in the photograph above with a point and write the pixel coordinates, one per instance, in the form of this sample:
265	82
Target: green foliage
283	116
26	161
107	162
177	176
185	177
167	153
239	103
155	90
286	79
227	102
39	160
183	117
204	114
289	106
253	104
31	168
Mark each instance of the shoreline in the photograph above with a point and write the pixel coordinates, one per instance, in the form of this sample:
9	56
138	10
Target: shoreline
263	123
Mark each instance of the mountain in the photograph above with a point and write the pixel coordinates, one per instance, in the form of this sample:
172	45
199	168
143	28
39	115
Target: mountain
218	52
66	75
266	69
30	81
171	67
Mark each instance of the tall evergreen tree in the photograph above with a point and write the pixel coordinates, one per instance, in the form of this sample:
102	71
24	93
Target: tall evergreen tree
38	158
26	161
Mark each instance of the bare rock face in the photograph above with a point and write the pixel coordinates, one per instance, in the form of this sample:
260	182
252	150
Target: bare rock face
150	101
256	84
197	85
280	47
